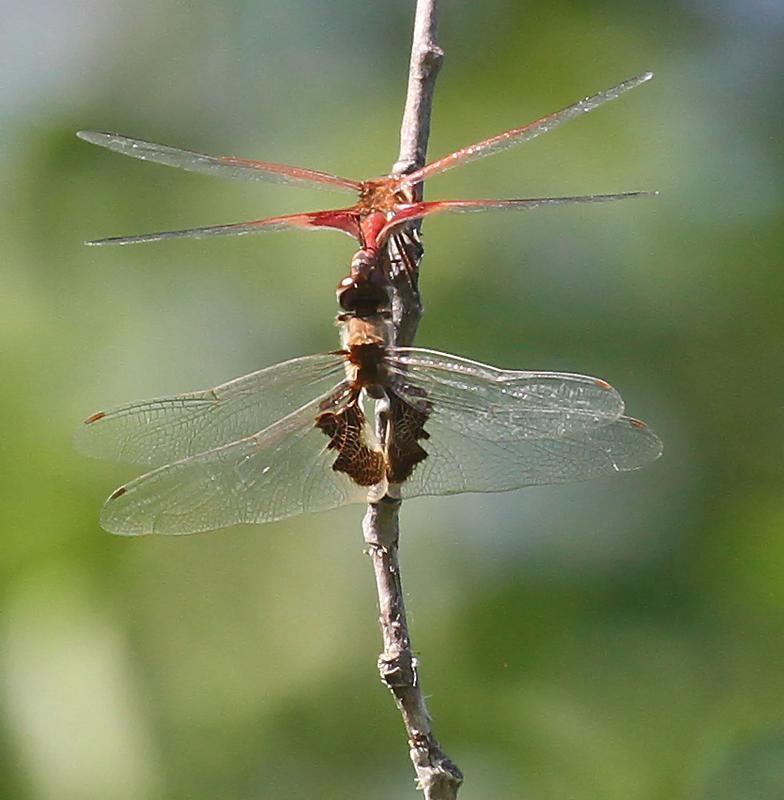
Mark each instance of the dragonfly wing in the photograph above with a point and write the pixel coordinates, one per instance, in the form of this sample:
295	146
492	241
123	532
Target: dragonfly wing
166	429
225	166
500	405
343	220
502	141
458	462
406	212
284	470
492	430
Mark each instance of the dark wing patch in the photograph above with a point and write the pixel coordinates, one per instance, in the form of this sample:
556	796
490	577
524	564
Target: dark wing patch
346	428
406	428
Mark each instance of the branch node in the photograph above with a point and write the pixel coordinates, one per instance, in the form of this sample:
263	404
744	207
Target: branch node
397	670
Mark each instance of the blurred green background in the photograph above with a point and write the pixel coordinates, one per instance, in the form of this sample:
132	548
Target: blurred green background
618	640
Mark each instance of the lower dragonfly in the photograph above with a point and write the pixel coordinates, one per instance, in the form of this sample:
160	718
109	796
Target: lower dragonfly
354	425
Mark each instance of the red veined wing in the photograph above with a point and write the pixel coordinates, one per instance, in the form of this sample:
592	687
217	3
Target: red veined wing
344	220
284	470
493	430
495	144
167	429
225	166
412	211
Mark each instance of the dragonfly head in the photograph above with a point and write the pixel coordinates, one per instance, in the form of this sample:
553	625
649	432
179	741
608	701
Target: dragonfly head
365	291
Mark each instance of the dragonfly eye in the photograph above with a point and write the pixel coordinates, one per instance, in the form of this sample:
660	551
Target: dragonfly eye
364	298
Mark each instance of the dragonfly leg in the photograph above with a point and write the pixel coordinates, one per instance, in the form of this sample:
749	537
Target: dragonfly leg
404	256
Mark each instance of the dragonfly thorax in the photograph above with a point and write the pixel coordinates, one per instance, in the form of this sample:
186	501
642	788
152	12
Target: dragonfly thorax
365	332
381	194
366	360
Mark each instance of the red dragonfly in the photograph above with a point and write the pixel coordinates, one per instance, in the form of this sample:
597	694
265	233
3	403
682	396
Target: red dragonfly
355	425
383	204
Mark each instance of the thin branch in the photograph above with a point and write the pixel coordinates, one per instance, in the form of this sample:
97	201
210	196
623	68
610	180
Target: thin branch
406	250
426	59
437	776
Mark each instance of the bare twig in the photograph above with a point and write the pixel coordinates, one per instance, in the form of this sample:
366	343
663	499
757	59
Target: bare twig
405	250
437	776
426	58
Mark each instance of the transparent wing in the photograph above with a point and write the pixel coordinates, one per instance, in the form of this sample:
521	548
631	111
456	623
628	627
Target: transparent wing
489	404
277	473
343	220
459	462
502	141
166	429
225	166
412	211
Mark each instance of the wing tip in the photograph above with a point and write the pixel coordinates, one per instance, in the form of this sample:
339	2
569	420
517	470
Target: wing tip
114	241
637	80
656	444
94	137
120	523
611	392
634	194
101	242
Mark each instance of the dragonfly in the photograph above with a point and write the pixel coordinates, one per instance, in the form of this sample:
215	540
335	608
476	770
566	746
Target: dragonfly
355	425
383	204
